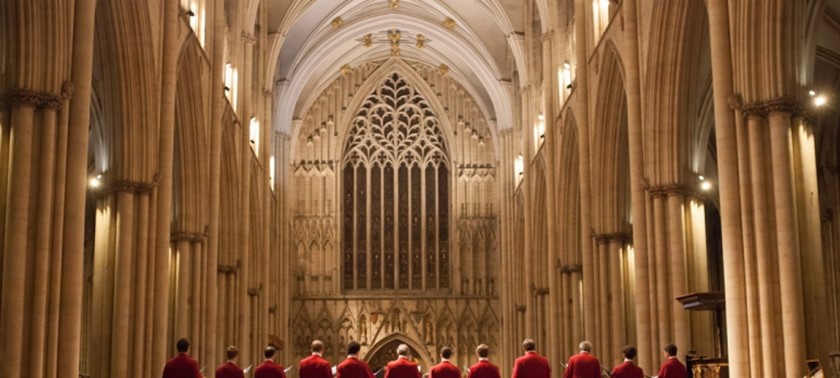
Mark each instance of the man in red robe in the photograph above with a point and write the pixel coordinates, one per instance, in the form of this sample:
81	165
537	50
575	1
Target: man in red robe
531	365
483	368
628	369
672	368
230	369
182	365
352	367
583	364
269	368
315	366
445	369
402	367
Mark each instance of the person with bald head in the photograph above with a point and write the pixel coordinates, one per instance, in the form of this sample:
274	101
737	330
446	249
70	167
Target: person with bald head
583	364
315	366
531	365
402	367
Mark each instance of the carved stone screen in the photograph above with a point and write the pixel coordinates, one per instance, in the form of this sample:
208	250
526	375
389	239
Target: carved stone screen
395	185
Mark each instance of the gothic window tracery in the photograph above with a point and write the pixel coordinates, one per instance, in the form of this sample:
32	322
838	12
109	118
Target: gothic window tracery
396	194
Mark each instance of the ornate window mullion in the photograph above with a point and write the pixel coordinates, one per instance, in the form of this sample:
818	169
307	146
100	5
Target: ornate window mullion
423	212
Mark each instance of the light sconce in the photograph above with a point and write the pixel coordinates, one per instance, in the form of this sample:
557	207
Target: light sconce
820	100
705	185
95	182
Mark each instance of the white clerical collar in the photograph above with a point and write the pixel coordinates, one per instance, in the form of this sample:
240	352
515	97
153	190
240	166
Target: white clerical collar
445	360
352	356
231	362
404	357
316	354
672	357
483	359
628	360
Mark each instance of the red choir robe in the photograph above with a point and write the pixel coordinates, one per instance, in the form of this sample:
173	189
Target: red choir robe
531	365
583	365
402	368
181	366
627	370
314	366
445	369
269	369
672	368
229	370
484	369
353	368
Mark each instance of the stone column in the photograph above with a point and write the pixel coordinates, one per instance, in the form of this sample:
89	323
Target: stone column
767	352
637	174
22	105
679	278
730	201
787	238
122	281
161	344
617	326
582	119
44	222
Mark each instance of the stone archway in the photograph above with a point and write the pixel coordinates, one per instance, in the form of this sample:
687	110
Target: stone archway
380	355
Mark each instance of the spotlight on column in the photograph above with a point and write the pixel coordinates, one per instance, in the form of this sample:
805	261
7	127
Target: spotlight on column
706	186
812	93
95	182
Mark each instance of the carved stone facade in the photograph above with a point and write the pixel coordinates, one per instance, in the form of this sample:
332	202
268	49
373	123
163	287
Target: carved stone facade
394	228
426	324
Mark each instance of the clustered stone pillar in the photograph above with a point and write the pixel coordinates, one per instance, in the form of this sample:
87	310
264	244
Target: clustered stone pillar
44	111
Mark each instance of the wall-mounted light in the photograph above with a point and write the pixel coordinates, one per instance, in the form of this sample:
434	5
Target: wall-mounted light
271	168
820	100
705	185
255	135
95	182
190	13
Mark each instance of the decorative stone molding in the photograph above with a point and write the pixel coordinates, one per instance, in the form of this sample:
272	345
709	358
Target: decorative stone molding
337	22
36	99
571	268
520	308
547	36
736	102
248	38
135	187
449	23
782	105
675	190
192	237
756	109
226	269
67	89
611	237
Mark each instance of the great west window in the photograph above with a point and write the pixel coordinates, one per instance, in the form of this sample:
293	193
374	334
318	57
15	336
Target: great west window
395	185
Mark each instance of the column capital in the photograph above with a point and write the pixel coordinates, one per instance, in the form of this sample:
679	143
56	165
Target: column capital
136	187
607	238
675	190
35	99
248	38
192	237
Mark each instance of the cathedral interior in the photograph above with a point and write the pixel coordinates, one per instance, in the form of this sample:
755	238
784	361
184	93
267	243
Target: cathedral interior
423	172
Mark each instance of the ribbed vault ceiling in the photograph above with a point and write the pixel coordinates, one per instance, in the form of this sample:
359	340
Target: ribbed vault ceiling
310	45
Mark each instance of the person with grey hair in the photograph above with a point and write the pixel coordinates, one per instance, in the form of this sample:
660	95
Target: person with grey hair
583	364
531	365
403	366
